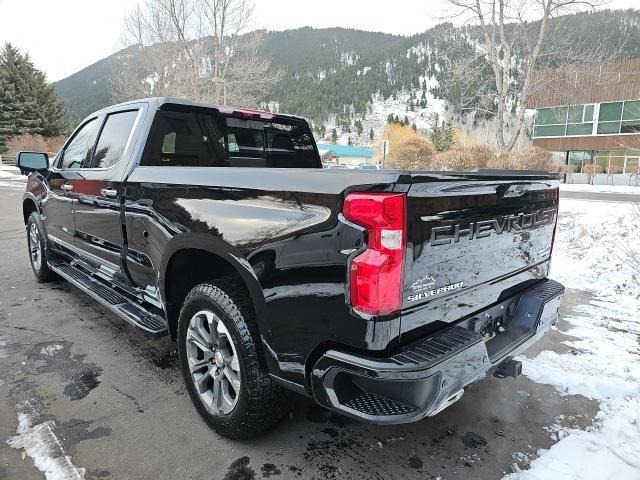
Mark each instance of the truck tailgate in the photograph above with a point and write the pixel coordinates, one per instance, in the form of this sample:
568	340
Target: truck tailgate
472	240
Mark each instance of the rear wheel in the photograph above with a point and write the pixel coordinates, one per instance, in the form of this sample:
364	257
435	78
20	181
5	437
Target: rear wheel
217	346
37	249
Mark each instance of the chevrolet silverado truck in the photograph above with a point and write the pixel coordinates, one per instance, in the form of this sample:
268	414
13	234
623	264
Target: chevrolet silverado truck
380	294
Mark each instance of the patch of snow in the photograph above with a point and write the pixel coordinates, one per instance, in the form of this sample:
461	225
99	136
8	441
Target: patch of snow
151	80
50	350
12	185
43	446
3	344
10	177
607	450
9	172
557	431
587	254
575	187
604	361
521	457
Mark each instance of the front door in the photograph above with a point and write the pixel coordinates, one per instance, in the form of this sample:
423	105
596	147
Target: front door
99	191
58	203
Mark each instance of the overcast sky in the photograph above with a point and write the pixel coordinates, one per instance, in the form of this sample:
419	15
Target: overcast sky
64	36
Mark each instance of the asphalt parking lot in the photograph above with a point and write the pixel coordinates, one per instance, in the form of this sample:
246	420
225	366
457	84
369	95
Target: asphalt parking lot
115	402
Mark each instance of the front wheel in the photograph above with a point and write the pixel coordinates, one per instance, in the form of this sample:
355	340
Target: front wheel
37	249
217	347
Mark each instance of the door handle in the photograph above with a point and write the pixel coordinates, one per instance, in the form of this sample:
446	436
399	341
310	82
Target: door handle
67	187
109	193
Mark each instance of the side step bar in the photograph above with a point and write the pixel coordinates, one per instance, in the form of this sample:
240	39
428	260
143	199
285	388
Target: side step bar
151	324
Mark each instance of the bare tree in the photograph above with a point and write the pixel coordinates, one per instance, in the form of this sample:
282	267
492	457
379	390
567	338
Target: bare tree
196	49
513	50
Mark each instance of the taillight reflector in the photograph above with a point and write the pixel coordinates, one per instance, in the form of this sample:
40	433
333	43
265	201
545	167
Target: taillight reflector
376	275
555	226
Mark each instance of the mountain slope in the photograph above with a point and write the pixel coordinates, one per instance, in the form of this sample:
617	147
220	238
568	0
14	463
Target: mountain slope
336	76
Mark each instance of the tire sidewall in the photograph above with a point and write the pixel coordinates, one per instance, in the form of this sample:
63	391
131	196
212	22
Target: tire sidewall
34	219
195	303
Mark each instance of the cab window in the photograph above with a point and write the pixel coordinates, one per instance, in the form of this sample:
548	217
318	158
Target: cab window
114	138
77	153
210	139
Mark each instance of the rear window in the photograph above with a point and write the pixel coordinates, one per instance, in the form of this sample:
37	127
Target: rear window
114	138
198	139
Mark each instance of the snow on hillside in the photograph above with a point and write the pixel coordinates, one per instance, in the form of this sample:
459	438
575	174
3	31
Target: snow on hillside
603	362
376	117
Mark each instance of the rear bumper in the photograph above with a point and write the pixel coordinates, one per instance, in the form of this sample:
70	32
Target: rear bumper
426	377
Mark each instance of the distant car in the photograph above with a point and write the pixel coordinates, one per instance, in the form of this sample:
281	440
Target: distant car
369	167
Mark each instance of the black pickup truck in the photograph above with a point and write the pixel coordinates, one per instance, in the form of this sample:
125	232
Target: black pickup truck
380	294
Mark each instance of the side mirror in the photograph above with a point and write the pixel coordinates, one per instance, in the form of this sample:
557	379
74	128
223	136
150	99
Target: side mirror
29	162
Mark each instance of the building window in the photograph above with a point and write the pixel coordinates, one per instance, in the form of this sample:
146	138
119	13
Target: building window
578	120
575	120
577	159
631	117
619	117
588	113
580	129
551	116
608	161
610	118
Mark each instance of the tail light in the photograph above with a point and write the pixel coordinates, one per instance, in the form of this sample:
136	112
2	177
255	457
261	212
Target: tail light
555	226
376	275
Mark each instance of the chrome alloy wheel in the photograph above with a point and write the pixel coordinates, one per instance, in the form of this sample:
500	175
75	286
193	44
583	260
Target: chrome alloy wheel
35	250
213	362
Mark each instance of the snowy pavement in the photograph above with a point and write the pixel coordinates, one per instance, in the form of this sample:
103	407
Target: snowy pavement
10	177
577	187
593	253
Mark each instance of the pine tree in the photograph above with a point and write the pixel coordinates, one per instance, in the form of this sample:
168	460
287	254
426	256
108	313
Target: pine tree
442	133
359	128
27	103
334	136
371	135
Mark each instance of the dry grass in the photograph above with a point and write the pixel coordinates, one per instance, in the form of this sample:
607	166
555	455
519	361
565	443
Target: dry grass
591	170
34	143
480	156
531	159
464	158
408	150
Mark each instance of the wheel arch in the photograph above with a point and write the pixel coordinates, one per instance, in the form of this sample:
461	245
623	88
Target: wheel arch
193	258
29	205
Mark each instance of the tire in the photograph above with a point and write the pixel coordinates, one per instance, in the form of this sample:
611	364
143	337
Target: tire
37	249
251	403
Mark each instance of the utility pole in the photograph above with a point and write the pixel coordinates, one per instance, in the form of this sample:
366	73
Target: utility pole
385	150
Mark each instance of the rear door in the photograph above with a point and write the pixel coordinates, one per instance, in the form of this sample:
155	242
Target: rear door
99	190
472	240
